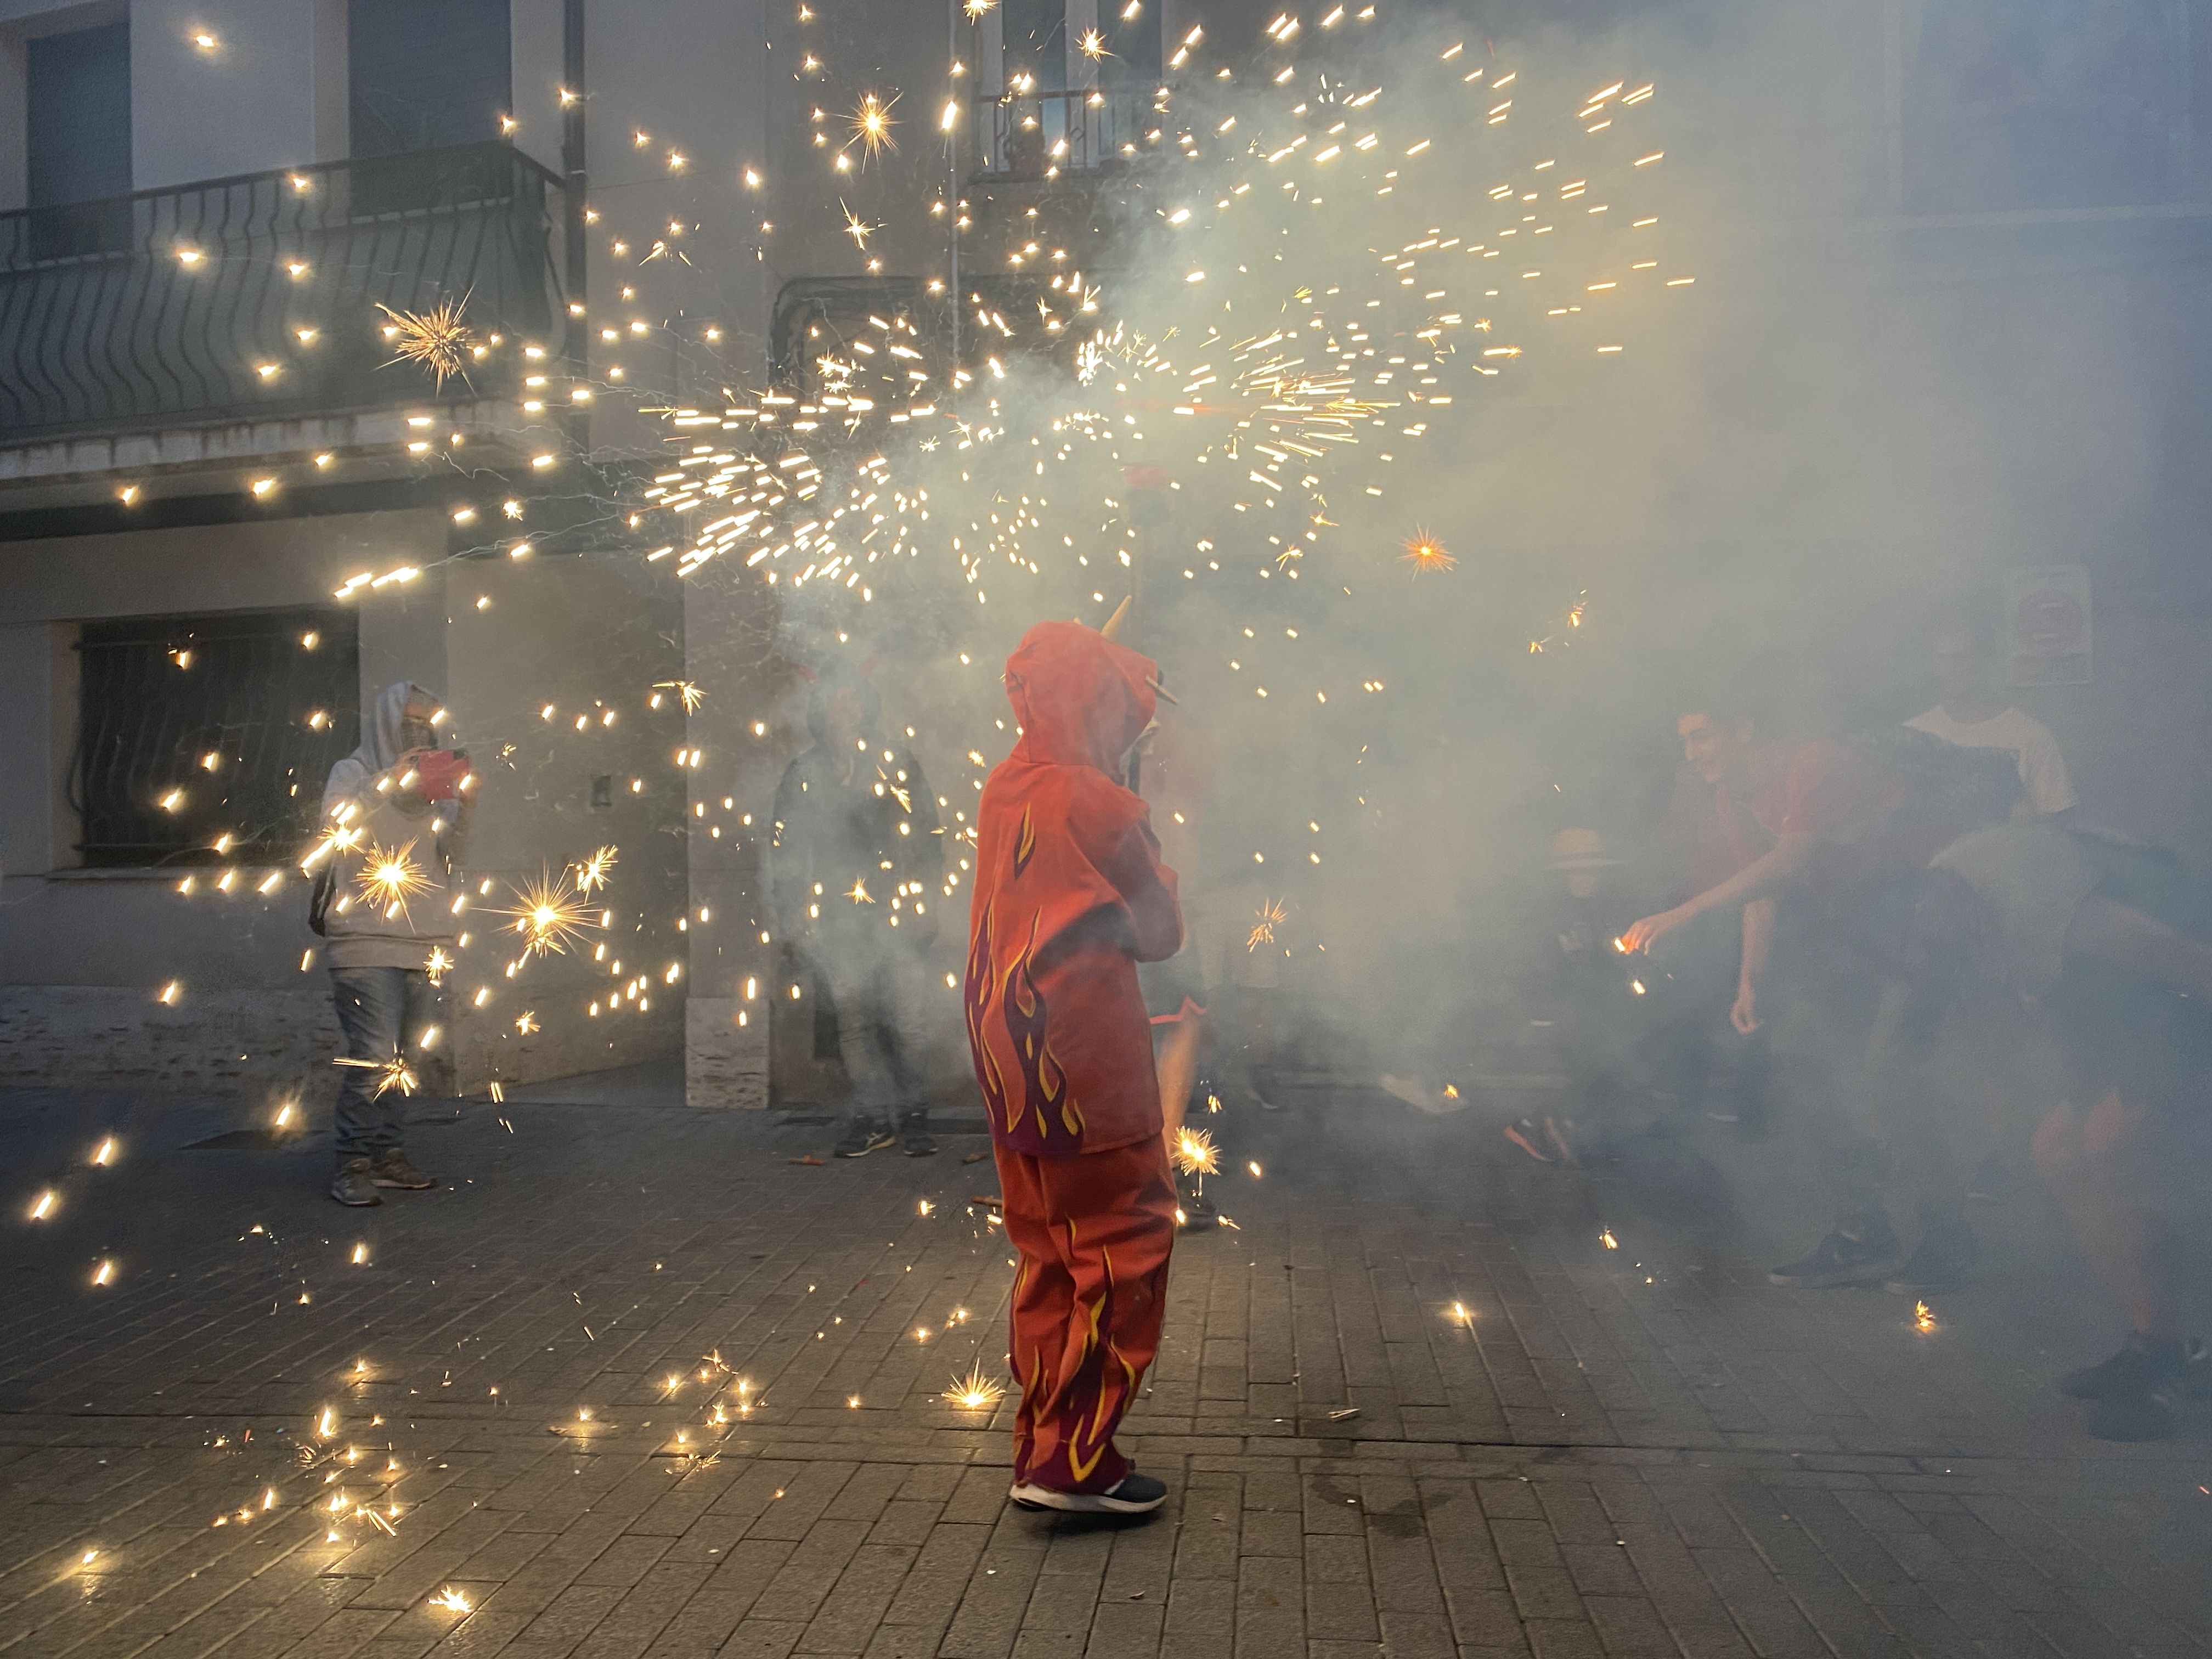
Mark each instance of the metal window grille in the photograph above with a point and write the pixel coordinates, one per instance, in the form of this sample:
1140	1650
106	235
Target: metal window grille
191	729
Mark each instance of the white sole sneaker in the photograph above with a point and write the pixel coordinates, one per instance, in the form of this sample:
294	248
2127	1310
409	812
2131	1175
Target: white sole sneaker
1029	1497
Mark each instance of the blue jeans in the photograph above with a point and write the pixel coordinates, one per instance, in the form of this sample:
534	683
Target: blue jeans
384	1013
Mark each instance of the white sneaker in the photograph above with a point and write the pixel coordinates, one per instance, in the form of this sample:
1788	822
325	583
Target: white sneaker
1133	1494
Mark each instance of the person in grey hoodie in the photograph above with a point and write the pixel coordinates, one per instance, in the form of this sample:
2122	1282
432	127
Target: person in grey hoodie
395	823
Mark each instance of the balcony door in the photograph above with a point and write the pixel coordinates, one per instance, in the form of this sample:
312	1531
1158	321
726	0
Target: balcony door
426	74
77	125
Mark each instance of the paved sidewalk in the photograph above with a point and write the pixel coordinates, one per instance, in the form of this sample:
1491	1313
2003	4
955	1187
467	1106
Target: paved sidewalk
249	1444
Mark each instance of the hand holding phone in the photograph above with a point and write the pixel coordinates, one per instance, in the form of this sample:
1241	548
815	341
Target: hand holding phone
439	773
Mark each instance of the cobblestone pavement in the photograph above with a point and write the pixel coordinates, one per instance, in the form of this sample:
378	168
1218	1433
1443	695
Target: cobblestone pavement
287	1428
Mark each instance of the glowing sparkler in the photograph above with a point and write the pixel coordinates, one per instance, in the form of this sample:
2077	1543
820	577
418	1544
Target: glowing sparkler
451	1600
389	877
1093	46
437	965
1195	1154
871	125
974	1392
437	338
551	915
1924	1317
1425	553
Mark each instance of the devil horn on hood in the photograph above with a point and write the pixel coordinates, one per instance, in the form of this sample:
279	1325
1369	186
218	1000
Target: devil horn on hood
1114	623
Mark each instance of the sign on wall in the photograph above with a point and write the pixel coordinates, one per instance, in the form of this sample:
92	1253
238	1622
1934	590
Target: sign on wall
2047	625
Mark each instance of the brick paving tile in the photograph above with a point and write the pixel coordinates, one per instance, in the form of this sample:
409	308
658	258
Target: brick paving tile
1623	1452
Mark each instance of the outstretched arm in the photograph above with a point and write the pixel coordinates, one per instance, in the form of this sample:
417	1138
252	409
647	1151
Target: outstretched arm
1762	877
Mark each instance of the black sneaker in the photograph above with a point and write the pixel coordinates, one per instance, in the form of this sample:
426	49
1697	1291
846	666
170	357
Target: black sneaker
353	1184
1867	1256
1133	1494
916	1141
2145	1368
1943	1257
392	1170
861	1138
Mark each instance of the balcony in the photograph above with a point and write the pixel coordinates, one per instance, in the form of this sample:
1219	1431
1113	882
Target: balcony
1041	136
253	299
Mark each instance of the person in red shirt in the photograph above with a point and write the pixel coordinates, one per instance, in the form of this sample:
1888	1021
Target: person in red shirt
1848	833
1070	894
1734	819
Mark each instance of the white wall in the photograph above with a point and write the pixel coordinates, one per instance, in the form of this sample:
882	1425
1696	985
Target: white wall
262	98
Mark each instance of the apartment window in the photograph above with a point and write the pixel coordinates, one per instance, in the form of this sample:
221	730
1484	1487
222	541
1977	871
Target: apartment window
428	73
1131	34
1036	36
191	729
77	116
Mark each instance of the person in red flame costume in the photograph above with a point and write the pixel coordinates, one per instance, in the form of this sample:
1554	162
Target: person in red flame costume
1070	894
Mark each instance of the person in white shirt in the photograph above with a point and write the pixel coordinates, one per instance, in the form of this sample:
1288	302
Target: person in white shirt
399	800
1973	714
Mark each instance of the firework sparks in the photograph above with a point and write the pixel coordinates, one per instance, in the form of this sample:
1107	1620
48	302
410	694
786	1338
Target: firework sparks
388	877
1270	917
437	338
451	1600
1195	1154
1425	553
974	1392
1093	46
549	914
687	691
437	965
338	838
392	1073
872	124
1924	1317
592	874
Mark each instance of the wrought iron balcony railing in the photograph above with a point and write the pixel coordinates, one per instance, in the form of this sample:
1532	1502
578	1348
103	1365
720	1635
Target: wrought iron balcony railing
1047	135
254	298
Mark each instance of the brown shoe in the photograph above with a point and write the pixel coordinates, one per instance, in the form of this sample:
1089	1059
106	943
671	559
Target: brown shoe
392	1170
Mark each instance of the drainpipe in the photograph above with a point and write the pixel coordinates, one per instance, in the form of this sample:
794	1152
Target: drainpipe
576	344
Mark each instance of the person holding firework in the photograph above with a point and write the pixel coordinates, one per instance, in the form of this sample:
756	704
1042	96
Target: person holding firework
1070	894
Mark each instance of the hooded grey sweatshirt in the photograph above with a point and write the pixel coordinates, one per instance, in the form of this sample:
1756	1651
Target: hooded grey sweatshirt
373	930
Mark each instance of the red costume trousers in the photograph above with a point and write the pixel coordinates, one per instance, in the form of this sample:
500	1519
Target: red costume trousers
1094	1231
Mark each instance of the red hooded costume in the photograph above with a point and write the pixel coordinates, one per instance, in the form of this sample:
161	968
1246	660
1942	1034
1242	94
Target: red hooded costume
1070	894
